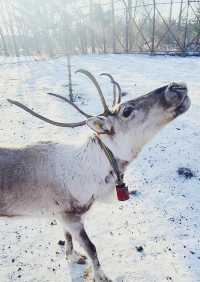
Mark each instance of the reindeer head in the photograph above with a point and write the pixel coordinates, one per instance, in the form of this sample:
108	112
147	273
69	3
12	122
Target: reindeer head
133	123
126	127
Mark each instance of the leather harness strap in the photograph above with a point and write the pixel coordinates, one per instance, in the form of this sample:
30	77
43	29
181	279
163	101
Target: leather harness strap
121	188
112	161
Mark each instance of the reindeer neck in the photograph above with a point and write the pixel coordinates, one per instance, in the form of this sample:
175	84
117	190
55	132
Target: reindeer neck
96	143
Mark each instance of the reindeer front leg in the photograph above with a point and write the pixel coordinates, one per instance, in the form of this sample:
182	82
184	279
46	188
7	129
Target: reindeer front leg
71	254
76	227
91	251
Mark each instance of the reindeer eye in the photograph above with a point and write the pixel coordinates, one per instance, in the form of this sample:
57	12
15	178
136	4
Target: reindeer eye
127	111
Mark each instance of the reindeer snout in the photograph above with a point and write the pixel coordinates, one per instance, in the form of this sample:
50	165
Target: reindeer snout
175	93
177	86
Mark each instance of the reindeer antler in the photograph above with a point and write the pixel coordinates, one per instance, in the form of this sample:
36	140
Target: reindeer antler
76	124
93	79
20	105
115	83
70	103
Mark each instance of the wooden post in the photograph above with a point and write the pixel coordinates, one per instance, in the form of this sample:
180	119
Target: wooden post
104	39
70	78
113	27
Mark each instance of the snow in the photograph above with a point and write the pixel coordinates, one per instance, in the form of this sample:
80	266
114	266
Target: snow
163	216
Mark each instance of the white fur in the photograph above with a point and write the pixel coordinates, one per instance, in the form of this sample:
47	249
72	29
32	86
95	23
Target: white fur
60	174
64	179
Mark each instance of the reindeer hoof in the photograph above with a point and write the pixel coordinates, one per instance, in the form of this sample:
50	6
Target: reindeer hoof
101	277
81	260
75	257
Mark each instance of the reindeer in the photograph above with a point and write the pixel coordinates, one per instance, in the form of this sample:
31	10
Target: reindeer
64	180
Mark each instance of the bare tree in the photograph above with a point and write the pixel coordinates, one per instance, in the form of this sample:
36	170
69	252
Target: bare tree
58	27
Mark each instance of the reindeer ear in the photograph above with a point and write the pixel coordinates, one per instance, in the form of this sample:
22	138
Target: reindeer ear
100	125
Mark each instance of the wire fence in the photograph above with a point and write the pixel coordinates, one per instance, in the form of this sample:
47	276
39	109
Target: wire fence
52	28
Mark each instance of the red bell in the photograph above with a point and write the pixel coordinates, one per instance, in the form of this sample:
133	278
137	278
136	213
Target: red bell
122	192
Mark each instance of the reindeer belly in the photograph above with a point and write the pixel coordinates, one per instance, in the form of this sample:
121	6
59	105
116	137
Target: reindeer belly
29	190
30	200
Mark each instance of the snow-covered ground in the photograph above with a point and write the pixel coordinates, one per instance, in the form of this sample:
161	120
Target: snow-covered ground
164	215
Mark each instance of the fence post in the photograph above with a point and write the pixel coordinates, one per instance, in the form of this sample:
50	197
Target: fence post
69	67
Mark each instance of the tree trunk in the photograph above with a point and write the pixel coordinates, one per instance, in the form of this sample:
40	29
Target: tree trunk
3	43
113	27
91	27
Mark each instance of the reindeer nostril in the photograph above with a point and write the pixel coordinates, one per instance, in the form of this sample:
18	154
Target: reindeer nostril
177	86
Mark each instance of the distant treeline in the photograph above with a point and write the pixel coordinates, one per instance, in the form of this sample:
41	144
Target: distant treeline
59	27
